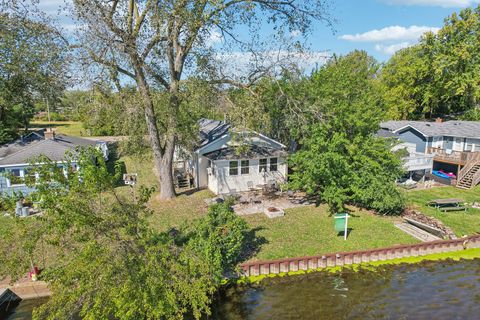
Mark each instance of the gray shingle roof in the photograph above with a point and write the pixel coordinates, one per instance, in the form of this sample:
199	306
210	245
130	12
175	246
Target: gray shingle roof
20	143
55	149
455	128
255	151
211	130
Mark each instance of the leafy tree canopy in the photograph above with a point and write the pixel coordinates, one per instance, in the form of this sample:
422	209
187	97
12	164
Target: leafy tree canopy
440	75
101	257
341	160
32	67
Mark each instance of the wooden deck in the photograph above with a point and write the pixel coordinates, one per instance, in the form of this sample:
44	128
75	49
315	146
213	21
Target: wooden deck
454	157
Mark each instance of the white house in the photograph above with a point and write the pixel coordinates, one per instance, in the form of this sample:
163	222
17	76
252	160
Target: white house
229	161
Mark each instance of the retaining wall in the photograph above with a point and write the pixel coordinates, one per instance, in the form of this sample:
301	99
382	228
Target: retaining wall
354	257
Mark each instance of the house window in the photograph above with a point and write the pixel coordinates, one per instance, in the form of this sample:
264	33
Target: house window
16	177
273	164
262	165
468	145
245	169
233	168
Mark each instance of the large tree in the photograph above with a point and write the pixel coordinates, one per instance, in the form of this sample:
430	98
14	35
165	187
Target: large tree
32	68
440	75
154	43
341	160
101	257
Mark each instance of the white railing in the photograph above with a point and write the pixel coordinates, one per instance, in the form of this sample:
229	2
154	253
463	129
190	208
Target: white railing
418	162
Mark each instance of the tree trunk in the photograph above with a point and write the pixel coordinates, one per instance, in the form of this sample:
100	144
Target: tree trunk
167	190
162	156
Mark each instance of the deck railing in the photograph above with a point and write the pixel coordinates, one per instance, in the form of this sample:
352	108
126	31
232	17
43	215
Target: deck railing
452	155
418	162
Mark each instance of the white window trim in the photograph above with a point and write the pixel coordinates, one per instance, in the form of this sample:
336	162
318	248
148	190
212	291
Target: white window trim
22	175
238	167
241	167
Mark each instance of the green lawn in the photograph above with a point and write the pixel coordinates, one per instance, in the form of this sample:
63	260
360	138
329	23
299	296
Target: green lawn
309	230
303	231
461	222
70	128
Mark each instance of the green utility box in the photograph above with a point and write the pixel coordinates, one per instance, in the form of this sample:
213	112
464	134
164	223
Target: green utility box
341	223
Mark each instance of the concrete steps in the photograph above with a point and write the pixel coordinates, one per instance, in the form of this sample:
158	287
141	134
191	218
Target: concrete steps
416	232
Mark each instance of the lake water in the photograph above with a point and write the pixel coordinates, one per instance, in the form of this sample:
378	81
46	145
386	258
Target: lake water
435	290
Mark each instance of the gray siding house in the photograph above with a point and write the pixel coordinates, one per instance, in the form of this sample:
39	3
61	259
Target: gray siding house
455	145
16	156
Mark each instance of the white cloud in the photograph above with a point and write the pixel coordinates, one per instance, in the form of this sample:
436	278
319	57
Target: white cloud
240	63
439	3
392	33
213	38
391	49
294	33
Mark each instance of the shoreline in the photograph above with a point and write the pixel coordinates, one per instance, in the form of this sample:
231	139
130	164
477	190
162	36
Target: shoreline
254	272
439	249
465	254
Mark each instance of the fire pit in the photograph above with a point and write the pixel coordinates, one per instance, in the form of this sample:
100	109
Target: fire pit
274	212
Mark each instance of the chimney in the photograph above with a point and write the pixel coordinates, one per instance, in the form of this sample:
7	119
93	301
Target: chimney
49	134
439	120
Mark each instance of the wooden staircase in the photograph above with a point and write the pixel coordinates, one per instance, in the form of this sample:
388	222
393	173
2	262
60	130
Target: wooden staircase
182	179
469	176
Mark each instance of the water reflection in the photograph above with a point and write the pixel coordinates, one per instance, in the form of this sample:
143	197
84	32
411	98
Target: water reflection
440	290
435	290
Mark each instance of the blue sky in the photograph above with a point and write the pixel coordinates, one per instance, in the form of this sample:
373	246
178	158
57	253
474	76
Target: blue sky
398	23
378	26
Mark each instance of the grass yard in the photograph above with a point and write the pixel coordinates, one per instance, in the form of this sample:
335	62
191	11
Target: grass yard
309	231
303	231
461	222
69	128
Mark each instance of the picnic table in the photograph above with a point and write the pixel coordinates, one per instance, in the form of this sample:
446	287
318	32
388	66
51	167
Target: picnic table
448	204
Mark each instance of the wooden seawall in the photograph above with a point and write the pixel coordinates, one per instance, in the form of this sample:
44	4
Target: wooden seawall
257	268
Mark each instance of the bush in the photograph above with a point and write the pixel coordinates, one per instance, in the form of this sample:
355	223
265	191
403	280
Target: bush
220	236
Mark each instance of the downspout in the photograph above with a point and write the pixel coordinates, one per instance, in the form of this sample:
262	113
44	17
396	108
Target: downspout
197	183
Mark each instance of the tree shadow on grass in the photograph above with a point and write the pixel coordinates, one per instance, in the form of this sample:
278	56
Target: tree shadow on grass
253	243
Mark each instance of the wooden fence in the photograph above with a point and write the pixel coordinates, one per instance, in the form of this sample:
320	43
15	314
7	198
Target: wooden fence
354	257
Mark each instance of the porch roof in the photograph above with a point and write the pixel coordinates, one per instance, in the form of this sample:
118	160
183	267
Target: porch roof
254	152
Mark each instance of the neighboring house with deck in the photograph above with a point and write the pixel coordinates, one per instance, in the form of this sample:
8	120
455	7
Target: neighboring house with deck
413	162
16	156
227	160
455	145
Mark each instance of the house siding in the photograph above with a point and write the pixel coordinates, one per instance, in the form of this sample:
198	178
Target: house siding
6	189
411	135
226	183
